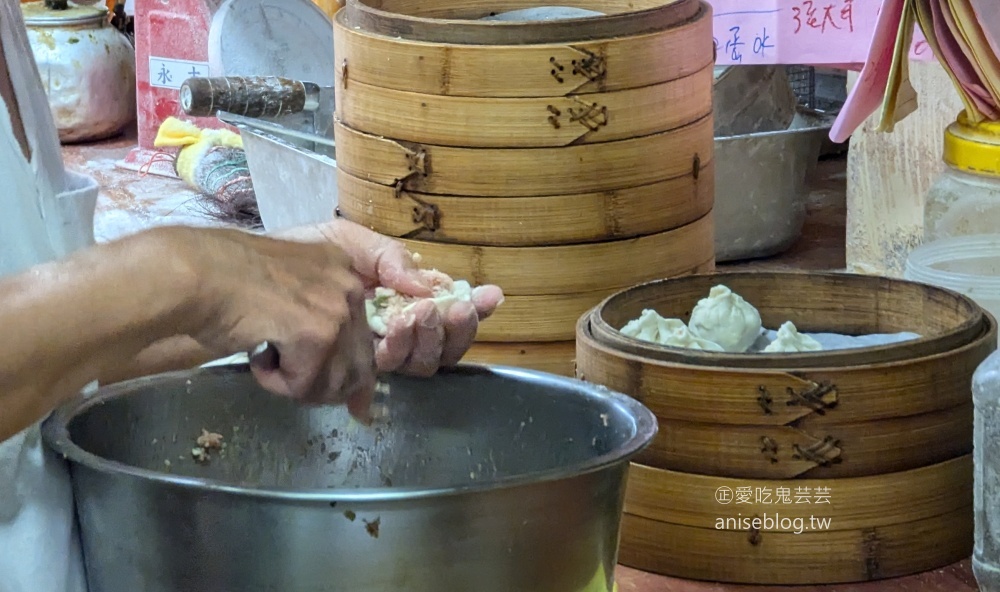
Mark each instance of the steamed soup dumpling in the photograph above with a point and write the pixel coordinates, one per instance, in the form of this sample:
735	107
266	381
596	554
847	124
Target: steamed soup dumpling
726	319
683	337
652	327
790	340
646	327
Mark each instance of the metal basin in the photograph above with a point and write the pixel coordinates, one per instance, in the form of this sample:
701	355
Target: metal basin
481	478
761	187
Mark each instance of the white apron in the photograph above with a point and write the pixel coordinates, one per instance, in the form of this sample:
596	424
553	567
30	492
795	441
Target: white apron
39	544
45	214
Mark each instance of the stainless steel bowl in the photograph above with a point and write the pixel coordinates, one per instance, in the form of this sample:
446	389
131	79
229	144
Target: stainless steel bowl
479	479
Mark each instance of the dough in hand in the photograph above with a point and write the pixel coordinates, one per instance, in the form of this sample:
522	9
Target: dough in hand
725	318
790	340
387	304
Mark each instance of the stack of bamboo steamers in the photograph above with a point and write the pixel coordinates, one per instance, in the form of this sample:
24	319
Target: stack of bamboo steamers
562	160
823	467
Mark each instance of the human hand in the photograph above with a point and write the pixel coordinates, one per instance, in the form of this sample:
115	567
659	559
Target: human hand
423	340
302	298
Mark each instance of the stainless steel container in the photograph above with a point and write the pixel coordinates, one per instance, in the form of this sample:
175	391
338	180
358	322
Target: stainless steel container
479	479
761	187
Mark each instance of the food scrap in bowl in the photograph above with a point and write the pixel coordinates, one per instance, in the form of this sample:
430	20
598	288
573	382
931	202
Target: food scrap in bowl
204	444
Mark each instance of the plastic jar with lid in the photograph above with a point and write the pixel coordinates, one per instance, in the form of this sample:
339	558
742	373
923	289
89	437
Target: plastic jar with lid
965	198
986	459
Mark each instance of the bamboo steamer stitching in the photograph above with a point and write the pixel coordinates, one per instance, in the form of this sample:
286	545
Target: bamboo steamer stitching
554	357
748	396
860	502
526	122
785	558
839	302
805	450
547	70
524	172
527	221
457	22
569	269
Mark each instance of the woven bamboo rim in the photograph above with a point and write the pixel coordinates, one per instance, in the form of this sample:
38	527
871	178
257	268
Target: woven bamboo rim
456	22
539	122
836	557
749	396
805	450
818	302
571	269
860	502
546	70
525	172
555	358
527	221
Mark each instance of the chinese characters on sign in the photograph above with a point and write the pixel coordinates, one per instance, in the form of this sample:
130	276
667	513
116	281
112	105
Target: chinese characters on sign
805	14
814	32
772	496
170	73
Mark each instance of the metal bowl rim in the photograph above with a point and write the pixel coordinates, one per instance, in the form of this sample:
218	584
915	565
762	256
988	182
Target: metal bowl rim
55	434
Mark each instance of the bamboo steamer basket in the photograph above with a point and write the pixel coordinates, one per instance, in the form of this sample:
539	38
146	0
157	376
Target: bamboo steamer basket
457	22
528	221
546	68
508	172
846	413
851	530
571	269
555	357
525	122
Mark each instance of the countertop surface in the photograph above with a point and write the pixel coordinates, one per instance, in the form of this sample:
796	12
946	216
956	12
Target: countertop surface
131	201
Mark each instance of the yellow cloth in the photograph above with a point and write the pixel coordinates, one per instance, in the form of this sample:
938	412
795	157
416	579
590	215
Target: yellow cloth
194	143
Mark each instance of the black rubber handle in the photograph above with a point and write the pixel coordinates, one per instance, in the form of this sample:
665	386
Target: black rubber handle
265	357
249	96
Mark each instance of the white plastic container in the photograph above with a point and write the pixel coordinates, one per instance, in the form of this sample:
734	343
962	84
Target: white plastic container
965	197
968	265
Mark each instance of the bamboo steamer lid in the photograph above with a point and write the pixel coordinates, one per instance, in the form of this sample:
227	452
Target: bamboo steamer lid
458	22
525	122
548	69
548	317
857	529
571	269
527	221
555	357
525	172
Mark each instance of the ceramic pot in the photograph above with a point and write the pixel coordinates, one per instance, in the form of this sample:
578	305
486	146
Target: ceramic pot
87	68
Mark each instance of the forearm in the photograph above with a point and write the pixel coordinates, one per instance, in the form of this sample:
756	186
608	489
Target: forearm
179	352
71	322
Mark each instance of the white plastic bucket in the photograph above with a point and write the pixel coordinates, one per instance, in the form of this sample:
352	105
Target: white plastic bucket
968	265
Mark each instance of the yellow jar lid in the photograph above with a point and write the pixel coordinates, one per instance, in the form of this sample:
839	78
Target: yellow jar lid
973	147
